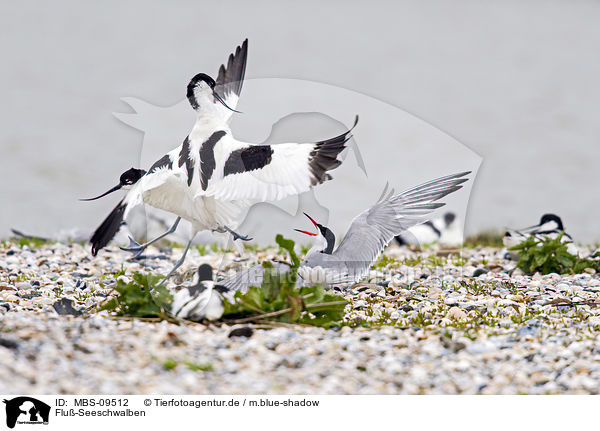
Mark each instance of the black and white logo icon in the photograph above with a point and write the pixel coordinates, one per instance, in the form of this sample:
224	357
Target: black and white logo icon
26	410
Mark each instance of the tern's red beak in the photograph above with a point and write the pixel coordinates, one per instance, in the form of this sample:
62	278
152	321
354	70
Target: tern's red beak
306	232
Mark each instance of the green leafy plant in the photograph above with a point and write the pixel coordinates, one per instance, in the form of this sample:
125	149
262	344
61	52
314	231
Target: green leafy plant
278	299
550	255
142	297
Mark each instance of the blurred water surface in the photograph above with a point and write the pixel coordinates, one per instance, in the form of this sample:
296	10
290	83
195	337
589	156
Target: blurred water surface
516	82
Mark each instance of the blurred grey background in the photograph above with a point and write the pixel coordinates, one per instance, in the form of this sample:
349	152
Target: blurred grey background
516	82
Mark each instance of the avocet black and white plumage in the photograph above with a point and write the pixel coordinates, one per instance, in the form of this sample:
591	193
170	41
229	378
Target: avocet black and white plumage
211	178
203	300
444	230
550	226
366	238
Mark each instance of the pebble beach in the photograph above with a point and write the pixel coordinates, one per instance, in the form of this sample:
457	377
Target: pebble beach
424	322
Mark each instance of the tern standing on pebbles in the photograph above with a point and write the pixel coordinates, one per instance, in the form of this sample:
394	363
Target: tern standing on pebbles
211	177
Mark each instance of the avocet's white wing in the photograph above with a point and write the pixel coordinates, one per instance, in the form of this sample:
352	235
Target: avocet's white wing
273	172
374	228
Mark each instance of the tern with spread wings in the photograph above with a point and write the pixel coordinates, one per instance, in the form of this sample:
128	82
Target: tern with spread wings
369	233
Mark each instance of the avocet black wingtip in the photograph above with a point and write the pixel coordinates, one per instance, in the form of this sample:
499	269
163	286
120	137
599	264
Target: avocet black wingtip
108	229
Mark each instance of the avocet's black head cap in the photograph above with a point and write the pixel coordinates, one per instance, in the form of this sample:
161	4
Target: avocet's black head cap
193	95
127	179
205	272
195	81
131	176
546	218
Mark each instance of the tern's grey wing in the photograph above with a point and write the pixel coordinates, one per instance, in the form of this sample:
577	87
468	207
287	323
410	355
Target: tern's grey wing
374	228
230	79
252	276
242	280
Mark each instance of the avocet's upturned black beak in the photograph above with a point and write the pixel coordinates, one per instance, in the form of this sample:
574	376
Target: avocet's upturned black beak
527	229
217	97
306	232
114	189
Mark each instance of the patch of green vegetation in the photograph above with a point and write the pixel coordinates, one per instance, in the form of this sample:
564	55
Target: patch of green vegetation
383	262
252	248
459	261
172	244
83	295
488	238
197	366
278	299
31	242
434	261
475	287
513	288
519	318
420	320
204	249
304	249
143	297
550	255
113	275
412	261
475	321
24	277
169	364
